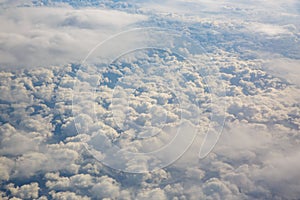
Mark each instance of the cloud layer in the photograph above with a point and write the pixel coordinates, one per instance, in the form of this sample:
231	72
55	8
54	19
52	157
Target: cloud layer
42	36
42	153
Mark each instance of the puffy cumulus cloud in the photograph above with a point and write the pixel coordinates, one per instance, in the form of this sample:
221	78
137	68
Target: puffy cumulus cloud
29	191
81	180
253	29
62	154
67	195
12	90
85	185
78	181
47	158
194	173
259	121
262	115
106	188
6	166
32	36
139	100
152	194
55	182
32	123
237	168
257	155
15	143
216	189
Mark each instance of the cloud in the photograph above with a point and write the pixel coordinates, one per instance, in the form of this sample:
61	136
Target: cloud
256	158
6	167
269	29
259	10
67	195
15	143
152	194
106	188
280	173
29	191
259	119
40	36
285	68
55	182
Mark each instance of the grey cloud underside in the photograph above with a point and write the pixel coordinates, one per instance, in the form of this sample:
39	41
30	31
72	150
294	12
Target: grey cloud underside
257	157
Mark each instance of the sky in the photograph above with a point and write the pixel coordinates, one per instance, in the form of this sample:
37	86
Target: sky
181	99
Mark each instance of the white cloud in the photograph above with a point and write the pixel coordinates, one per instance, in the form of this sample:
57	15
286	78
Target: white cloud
15	143
49	36
152	194
286	68
231	168
269	29
54	182
257	156
29	191
280	173
106	188
6	167
81	181
67	195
